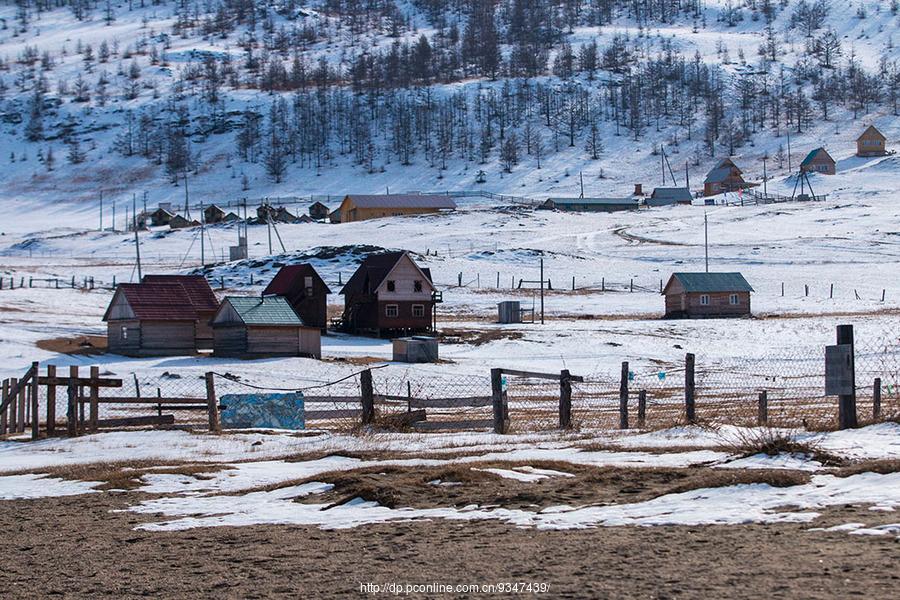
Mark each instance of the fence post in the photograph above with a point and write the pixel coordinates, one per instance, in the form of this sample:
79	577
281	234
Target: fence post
642	407
497	400
367	395
565	399
95	398
20	413
12	406
623	397
847	402
72	410
4	391
211	405
51	402
35	396
876	399
762	417
689	408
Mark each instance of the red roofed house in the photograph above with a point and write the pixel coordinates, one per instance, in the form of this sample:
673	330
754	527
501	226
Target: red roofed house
151	319
202	298
305	291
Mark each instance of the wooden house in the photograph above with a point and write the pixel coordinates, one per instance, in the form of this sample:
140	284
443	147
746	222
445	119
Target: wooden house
871	143
213	214
389	293
707	295
819	161
202	299
279	214
179	222
591	204
667	196
160	217
724	177
318	211
151	319
334	216
360	207
253	327
305	291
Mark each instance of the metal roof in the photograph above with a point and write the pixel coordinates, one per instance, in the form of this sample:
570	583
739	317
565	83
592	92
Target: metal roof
156	302
595	201
373	270
677	194
711	282
197	287
717	175
812	155
289	280
401	201
267	310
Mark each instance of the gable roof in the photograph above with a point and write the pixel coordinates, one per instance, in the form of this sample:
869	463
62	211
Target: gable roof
872	131
710	282
267	310
290	278
374	269
317	204
155	302
197	287
593	201
677	194
401	201
814	154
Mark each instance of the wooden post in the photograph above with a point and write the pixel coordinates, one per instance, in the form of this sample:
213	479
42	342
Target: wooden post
367	396
642	407
13	405
20	412
4	391
689	408
876	399
847	402
72	410
565	399
211	404
762	417
497	400
623	397
95	398
51	402
35	397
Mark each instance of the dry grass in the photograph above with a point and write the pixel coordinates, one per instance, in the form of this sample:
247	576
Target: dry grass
772	442
81	345
127	475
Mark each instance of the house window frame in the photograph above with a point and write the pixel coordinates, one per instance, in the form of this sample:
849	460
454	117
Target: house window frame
734	299
391	285
124	332
417	285
704	299
389	308
420	308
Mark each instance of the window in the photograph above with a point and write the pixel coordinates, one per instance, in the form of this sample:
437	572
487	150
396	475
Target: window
704	300
124	332
418	310
417	285
308	284
392	310
391	285
733	299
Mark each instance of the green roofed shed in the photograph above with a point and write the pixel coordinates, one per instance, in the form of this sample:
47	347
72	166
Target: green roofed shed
703	295
248	327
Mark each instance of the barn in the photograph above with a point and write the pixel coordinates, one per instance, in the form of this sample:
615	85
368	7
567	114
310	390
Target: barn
160	216
591	204
819	161
724	177
667	196
871	143
305	291
254	327
179	222
389	293
318	211
360	207
201	297
213	214
707	295
151	319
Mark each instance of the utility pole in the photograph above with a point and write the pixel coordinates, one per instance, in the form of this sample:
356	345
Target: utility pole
145	202
542	291
187	206
581	179
137	253
765	176
788	130
706	240
134	210
202	237
114	218
269	228
101	210
687	177
662	163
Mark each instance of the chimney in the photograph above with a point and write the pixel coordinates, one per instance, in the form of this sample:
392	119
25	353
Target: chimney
638	189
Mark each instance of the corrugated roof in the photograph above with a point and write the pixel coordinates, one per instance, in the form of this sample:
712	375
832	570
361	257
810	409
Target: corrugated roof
372	271
712	282
678	194
267	310
717	175
812	155
289	279
158	301
197	287
401	201
594	201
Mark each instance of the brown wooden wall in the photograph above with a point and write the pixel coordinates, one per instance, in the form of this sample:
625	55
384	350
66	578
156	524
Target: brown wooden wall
118	342
688	305
230	341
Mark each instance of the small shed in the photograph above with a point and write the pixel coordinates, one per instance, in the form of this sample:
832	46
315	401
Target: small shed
591	204
335	216
160	217
318	211
213	214
509	311
667	196
819	161
151	319
202	298
871	143
306	292
707	295
251	327
415	349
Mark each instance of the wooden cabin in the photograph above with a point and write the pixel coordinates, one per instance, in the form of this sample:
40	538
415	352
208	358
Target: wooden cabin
213	214
707	295
334	216
179	222
151	319
871	143
724	177
360	207
279	214
255	327
318	211
590	204
667	196
819	161
389	293
201	297
160	217
305	291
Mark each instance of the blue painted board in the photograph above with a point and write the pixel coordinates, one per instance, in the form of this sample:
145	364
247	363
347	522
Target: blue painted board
270	411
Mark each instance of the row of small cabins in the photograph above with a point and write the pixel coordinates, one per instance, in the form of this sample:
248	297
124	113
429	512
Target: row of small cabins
167	315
